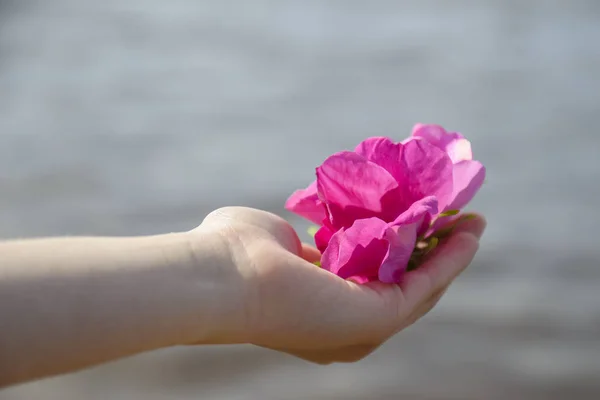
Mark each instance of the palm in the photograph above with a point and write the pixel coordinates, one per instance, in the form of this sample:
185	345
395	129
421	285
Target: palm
298	308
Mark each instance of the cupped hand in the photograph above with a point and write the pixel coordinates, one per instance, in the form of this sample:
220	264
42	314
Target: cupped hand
293	306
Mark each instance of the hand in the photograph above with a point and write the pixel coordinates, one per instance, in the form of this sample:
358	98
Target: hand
293	306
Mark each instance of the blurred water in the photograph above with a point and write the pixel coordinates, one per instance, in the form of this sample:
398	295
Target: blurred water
137	117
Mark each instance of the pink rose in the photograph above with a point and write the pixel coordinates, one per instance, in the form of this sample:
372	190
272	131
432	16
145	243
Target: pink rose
373	203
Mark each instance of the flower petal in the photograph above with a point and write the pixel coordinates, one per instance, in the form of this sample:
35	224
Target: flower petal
427	172
453	143
322	238
385	153
459	150
435	134
377	149
420	168
468	178
402	242
370	250
357	251
354	188
306	203
417	211
420	213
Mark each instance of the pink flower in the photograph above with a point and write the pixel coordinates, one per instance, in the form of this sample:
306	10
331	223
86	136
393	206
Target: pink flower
373	203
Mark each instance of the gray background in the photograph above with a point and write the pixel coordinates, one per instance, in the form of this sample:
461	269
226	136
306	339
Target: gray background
139	117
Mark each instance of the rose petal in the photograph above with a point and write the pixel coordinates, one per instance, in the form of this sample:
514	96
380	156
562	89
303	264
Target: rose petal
435	134
425	224
453	143
378	149
369	244
459	150
385	153
420	168
420	213
417	211
354	188
306	203
428	172
322	238
402	242
468	178
358	250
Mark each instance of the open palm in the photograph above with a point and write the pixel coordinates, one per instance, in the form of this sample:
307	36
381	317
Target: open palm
295	307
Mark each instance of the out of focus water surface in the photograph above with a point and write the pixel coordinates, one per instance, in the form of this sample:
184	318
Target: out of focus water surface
138	117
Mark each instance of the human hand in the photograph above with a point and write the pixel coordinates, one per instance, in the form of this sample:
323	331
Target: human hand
291	305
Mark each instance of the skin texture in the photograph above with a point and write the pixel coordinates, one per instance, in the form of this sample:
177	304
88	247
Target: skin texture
242	276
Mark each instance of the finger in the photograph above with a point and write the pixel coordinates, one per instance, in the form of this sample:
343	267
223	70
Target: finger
475	226
347	354
310	253
423	309
445	264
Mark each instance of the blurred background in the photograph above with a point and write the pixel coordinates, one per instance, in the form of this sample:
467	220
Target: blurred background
126	117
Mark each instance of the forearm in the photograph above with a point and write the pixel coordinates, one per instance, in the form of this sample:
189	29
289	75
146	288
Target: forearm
70	303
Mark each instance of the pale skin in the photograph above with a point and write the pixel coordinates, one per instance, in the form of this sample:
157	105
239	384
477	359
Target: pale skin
242	276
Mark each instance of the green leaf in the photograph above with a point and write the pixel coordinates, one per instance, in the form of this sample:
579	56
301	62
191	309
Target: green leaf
312	230
433	242
317	263
449	213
